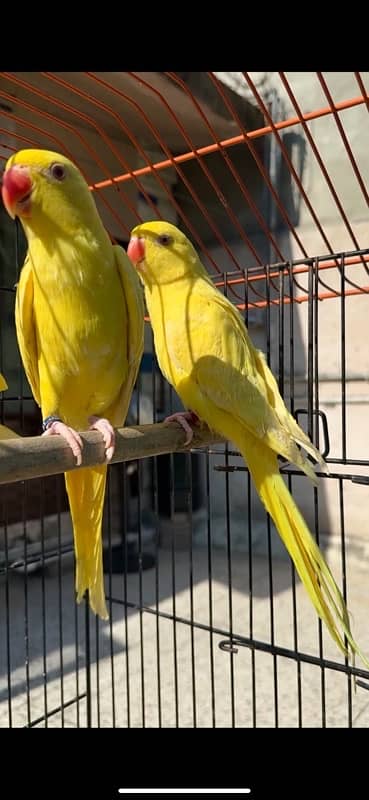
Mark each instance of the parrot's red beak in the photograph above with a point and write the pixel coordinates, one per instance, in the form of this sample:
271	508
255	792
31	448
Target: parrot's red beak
136	250
16	191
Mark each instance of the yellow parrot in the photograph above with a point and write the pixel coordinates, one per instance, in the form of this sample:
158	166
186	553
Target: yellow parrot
205	352
80	324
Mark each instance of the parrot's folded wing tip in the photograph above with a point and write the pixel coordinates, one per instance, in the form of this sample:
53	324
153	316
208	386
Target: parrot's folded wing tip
323	466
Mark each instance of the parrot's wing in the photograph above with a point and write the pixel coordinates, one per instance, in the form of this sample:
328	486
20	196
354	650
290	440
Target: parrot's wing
282	412
227	370
135	324
3	383
25	325
237	379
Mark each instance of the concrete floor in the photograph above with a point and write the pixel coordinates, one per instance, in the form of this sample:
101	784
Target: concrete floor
136	667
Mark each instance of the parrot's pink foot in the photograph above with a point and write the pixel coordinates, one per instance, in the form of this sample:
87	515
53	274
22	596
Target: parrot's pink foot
181	417
58	428
107	431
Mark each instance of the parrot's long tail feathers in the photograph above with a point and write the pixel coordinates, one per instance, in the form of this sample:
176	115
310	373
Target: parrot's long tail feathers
308	560
3	383
86	490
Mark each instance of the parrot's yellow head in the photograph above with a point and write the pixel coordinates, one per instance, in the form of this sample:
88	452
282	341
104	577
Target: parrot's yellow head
42	187
162	254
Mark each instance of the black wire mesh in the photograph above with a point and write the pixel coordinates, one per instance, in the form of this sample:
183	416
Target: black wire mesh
208	624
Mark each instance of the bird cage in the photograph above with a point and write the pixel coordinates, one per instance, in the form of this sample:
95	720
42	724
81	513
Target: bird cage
209	626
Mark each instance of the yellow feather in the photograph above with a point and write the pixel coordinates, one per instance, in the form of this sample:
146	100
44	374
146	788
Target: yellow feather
205	352
86	489
6	433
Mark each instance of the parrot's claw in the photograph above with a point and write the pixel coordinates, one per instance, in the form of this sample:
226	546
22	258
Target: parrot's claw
107	432
71	437
181	417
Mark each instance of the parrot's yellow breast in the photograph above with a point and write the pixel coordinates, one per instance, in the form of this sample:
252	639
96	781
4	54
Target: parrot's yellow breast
177	321
81	322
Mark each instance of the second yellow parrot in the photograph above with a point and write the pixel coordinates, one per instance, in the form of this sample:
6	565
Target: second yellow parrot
80	322
205	352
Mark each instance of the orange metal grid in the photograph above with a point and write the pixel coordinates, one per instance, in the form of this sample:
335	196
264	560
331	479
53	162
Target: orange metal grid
174	161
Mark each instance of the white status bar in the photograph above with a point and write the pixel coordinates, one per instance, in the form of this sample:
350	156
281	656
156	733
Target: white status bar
184	791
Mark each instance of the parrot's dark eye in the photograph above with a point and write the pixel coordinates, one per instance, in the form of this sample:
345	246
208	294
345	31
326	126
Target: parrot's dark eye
165	239
58	171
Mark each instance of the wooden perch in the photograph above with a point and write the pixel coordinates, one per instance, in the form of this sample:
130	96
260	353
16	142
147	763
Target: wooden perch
27	457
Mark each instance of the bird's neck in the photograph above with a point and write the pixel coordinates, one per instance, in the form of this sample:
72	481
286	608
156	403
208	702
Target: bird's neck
82	258
172	300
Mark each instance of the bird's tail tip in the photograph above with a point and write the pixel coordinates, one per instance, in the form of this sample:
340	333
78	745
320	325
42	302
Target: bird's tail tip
96	603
